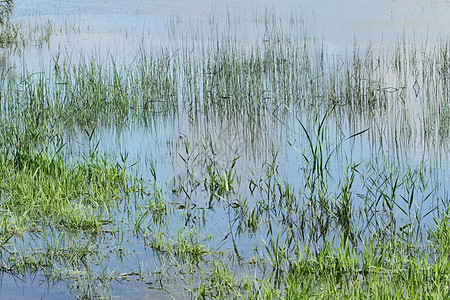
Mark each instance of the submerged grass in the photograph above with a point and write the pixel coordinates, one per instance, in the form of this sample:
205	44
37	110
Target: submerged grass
53	208
8	32
5	10
334	230
42	189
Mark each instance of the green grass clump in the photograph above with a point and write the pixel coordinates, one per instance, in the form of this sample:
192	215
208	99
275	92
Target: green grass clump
8	32
8	35
375	271
43	189
53	210
5	10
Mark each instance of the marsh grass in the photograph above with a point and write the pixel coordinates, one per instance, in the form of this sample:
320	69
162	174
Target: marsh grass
13	34
8	32
52	206
42	188
5	10
8	35
223	227
373	244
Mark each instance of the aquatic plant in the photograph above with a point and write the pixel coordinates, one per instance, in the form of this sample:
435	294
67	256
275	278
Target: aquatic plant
218	215
5	10
8	32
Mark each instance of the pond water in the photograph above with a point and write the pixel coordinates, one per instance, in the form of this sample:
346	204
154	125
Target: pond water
336	22
211	125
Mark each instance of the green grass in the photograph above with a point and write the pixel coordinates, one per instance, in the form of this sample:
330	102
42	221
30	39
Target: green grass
5	10
52	206
8	32
41	188
231	223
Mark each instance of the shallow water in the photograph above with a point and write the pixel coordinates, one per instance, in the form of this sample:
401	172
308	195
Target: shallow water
121	29
337	22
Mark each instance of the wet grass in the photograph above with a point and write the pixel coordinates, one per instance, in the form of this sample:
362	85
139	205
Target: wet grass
8	32
5	10
53	210
230	222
